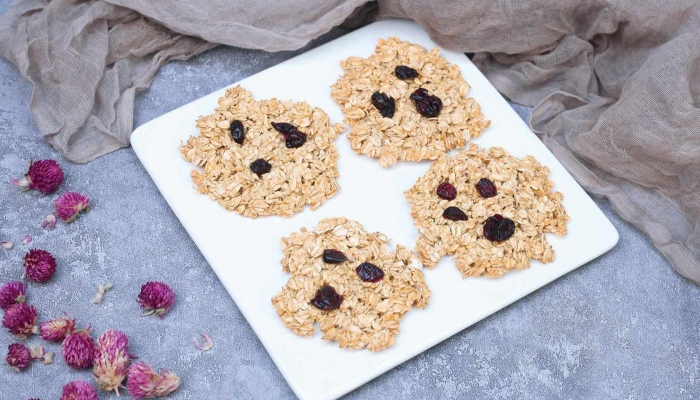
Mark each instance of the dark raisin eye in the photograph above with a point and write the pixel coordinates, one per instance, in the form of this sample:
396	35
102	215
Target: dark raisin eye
385	104
498	228
454	214
332	256
369	272
260	166
327	299
427	105
486	188
293	138
237	131
446	191
405	72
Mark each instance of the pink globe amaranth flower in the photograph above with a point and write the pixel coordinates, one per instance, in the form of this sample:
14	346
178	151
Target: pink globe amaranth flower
79	390
111	362
70	204
39	265
43	175
18	357
57	329
20	320
156	298
78	349
144	382
11	293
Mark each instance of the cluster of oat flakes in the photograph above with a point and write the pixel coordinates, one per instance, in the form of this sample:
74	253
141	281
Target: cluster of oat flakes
407	135
368	314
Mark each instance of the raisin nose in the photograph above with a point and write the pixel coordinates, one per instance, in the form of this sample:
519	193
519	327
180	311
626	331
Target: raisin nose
260	166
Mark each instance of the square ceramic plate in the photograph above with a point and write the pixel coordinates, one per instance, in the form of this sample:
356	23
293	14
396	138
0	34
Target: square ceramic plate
246	254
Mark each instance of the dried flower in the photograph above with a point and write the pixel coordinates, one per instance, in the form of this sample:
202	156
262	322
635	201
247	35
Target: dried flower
57	329
11	293
79	390
101	290
111	363
38	353
78	349
43	175
39	265
144	382
20	320
27	239
156	298
70	204
7	245
208	344
49	221
18	357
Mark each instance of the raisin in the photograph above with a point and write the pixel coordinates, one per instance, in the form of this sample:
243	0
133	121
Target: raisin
405	72
237	131
446	191
369	272
498	228
331	256
293	138
260	166
426	104
327	299
454	214
385	104
486	188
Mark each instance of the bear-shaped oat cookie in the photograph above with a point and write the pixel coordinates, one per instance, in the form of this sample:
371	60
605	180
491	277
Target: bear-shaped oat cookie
490	209
350	282
406	103
266	157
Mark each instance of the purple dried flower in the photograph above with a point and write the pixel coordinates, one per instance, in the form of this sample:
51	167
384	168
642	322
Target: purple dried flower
43	175
57	329
79	390
144	382
39	265
156	298
111	363
78	349
20	320
70	204
18	357
49	221
11	293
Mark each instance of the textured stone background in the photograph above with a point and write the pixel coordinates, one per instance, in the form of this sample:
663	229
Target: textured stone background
623	326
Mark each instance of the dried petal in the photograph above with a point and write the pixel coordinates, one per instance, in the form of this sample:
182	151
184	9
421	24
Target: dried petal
78	349
7	245
39	265
144	382
27	239
43	175
18	357
208	343
49	221
79	390
11	293
111	362
20	320
57	329
101	290
156	298
38	353
70	204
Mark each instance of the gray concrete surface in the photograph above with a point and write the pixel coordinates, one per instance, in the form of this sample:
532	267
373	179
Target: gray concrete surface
623	326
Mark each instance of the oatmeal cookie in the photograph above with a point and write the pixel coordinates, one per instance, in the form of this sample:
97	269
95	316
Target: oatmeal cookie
490	209
350	282
266	157
406	103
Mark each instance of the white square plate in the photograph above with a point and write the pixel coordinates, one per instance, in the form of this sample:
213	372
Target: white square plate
246	254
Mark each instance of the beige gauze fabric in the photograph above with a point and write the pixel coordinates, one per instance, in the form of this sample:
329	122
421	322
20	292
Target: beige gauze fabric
615	85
